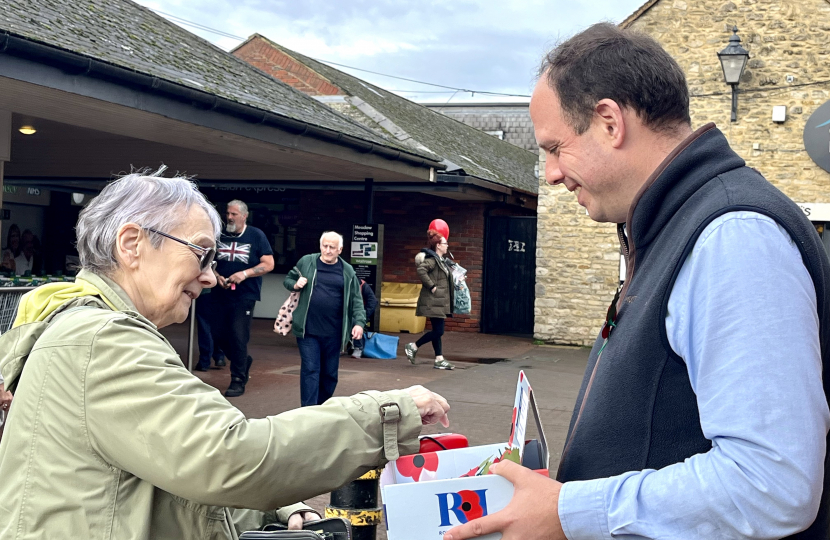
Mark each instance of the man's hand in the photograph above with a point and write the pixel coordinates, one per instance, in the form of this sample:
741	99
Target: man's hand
238	277
5	398
222	281
432	407
300	283
295	522
533	512
357	332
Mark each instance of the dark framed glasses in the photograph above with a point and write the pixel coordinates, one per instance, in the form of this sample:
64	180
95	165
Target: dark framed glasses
205	255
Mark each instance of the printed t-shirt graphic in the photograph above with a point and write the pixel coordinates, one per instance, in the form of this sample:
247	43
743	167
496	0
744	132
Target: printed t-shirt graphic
235	253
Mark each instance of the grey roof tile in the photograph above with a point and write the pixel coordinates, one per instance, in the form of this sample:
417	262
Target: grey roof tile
478	153
128	35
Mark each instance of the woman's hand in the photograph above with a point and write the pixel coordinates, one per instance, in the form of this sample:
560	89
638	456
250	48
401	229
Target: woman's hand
295	522
300	283
5	398
431	406
434	289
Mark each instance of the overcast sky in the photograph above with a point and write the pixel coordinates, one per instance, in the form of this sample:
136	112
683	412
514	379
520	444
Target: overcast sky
484	45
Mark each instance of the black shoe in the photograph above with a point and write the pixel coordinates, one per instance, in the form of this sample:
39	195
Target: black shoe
236	389
200	367
220	363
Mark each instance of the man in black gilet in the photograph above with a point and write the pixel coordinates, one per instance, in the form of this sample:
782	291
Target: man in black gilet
703	412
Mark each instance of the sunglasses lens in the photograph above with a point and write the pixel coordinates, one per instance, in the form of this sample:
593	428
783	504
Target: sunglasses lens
207	260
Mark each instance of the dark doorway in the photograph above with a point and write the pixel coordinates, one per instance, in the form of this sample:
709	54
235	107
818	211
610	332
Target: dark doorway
509	275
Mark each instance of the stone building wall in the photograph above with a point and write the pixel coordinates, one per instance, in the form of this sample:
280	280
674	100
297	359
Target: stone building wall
789	46
577	268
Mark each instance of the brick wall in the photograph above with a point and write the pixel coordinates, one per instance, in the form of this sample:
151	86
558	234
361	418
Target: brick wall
261	54
405	217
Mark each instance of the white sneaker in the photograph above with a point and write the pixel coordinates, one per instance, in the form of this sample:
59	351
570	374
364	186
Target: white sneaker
440	363
411	350
357	353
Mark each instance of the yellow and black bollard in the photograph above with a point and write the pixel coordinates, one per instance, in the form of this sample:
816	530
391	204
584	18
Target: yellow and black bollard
358	502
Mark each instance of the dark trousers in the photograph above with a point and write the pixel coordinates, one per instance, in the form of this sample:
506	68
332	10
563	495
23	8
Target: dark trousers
233	330
433	335
204	322
318	370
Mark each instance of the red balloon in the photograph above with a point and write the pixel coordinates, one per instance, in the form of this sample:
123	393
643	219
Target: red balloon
440	226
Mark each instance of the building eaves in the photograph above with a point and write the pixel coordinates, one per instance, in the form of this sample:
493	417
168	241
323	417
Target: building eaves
474	152
131	38
638	13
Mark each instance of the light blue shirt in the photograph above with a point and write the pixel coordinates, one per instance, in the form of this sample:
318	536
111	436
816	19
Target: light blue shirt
742	315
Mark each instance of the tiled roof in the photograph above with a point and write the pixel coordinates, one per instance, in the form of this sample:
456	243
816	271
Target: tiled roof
477	153
513	121
127	35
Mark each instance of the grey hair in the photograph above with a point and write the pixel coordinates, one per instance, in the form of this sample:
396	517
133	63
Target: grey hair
145	198
243	208
332	233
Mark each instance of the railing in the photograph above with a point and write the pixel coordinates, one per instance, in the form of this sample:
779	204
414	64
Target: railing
9	299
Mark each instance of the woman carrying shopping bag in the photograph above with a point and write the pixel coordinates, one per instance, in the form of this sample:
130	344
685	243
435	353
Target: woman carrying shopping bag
437	295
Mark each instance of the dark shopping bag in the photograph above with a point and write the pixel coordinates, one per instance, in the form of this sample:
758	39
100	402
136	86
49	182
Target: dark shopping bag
380	346
324	529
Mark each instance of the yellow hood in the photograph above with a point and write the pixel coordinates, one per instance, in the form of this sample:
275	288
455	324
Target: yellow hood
38	304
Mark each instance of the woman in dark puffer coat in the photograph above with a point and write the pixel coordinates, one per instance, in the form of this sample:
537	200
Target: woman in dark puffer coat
436	298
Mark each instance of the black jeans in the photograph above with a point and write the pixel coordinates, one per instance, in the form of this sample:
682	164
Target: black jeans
233	330
208	347
433	335
318	369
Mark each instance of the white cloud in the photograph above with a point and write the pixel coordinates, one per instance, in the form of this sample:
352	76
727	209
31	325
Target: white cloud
474	44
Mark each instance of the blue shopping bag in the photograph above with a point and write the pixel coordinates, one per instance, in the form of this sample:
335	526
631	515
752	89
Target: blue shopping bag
380	346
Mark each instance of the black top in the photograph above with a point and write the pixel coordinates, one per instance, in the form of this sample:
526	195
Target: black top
237	252
325	308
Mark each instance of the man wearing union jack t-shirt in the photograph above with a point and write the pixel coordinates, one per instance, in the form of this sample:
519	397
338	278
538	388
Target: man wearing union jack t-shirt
243	255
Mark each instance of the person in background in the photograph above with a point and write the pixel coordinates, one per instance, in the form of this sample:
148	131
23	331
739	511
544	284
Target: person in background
208	346
11	250
436	298
244	255
370	303
329	301
25	262
111	437
703	409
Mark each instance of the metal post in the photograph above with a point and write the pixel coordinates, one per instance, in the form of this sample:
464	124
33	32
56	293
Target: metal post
192	335
358	503
734	102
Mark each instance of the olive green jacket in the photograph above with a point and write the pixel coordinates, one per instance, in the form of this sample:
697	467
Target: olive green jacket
434	272
354	313
110	437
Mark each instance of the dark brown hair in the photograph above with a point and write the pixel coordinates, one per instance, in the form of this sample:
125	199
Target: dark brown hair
627	67
433	239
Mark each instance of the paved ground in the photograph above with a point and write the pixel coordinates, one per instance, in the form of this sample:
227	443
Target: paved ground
480	390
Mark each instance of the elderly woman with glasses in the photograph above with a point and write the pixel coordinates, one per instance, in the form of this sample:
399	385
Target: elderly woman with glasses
110	437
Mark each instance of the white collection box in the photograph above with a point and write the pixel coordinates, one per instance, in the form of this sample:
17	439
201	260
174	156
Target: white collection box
425	495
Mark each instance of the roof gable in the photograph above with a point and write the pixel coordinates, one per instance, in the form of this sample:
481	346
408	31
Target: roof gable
461	146
642	9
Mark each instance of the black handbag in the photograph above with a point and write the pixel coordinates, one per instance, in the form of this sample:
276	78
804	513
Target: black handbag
323	529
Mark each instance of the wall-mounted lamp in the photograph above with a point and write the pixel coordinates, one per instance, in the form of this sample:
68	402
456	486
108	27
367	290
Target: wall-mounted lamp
733	61
27	130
